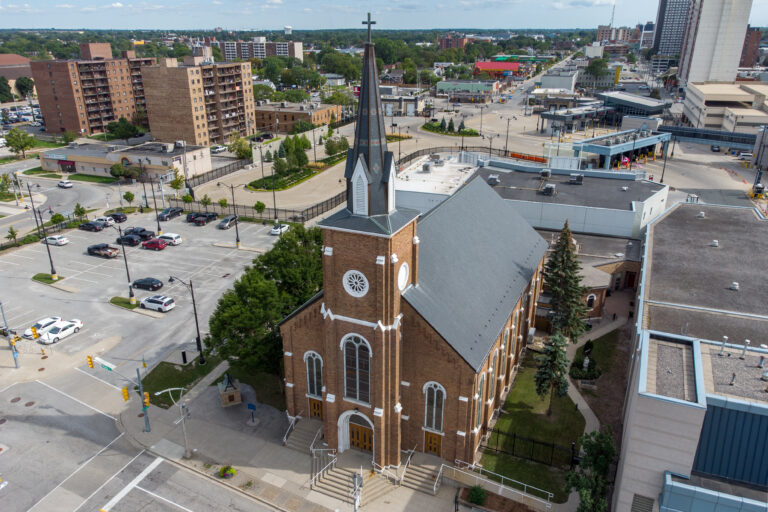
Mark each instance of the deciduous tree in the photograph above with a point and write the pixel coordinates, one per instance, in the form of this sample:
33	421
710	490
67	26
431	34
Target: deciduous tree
205	202
129	197
590	477
240	147
122	129
24	86
19	141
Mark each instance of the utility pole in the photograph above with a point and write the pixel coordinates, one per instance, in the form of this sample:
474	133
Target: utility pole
145	408
54	277
11	339
237	221
111	368
32	201
506	144
154	201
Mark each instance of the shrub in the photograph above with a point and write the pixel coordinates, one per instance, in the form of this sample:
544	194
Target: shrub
30	239
57	218
477	495
187	198
227	472
578	372
588	347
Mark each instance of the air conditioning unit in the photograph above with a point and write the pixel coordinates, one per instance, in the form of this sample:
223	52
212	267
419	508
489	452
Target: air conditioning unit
545	173
549	189
577	179
493	180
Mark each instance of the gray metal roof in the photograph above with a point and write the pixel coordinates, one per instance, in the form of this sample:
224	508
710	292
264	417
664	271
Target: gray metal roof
384	225
476	258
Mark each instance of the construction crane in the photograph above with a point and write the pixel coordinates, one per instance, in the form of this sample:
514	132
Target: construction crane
613	13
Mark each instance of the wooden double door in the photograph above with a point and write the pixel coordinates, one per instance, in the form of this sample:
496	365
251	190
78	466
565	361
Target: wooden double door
315	408
432	442
360	437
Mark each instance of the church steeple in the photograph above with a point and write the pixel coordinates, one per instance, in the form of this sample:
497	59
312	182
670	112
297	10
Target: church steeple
370	167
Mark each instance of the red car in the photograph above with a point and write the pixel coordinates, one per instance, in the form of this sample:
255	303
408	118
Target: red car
156	244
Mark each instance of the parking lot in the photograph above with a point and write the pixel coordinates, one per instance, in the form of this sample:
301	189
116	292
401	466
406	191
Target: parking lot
91	281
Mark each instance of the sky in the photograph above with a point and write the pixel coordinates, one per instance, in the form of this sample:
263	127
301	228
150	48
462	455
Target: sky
329	14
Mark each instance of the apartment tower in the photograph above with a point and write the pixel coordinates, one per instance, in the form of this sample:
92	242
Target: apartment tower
84	95
198	101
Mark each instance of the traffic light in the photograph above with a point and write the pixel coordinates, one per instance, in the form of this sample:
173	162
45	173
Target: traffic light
34	332
126	396
90	362
14	340
146	399
143	363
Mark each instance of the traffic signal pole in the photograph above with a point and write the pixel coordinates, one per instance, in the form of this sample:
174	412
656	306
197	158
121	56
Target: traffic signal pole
145	396
11	339
145	406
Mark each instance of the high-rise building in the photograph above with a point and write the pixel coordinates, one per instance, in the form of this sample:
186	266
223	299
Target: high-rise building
259	48
84	95
671	21
713	41
647	35
751	50
613	34
199	102
449	41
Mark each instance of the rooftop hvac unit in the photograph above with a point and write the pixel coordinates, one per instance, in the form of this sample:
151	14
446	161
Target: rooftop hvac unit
180	143
549	189
434	156
577	179
493	180
427	167
439	163
546	173
283	104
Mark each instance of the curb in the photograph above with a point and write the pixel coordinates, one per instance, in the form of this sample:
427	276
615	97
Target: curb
137	309
225	245
58	286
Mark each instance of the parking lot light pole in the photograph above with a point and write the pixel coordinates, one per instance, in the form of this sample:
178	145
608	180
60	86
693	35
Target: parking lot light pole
237	221
184	413
54	277
154	201
131	297
198	340
32	201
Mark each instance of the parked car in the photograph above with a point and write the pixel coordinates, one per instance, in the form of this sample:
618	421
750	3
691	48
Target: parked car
103	250
191	216
119	217
715	149
228	221
91	226
129	240
171	238
279	229
205	218
65	184
61	330
34	123
55	240
218	149
746	156
158	303
142	233
170	213
42	326
107	221
155	244
148	283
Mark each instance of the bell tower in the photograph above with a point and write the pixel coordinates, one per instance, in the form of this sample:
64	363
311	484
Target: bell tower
370	256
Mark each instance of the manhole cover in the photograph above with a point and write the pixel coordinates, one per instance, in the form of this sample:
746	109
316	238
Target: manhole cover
29	404
41	369
141	415
44	357
225	275
2	420
14	400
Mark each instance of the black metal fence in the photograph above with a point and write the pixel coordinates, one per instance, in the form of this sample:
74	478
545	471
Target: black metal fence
531	449
270	214
217	173
32	237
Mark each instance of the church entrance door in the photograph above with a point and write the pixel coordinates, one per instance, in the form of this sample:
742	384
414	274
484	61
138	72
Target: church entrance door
315	408
432	442
360	436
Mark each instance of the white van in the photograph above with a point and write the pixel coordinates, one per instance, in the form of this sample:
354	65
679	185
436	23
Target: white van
746	156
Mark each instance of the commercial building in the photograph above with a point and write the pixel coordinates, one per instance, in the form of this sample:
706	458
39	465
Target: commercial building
751	50
449	41
13	67
671	20
734	106
200	102
713	40
281	117
606	81
333	80
259	48
594	51
606	33
402	101
157	160
559	79
624	103
696	411
469	91
647	35
570	119
497	69
84	95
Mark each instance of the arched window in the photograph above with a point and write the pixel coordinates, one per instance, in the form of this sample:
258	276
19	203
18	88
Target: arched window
434	399
357	369
492	383
591	300
505	348
314	373
480	397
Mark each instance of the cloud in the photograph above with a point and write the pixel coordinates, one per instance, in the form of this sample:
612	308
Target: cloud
65	6
21	9
274	2
307	9
217	2
571	4
116	5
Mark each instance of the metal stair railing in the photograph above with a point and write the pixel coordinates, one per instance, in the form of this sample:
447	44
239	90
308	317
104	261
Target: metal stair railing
292	423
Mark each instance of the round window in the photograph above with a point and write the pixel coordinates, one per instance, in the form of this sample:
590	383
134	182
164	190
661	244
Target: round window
402	276
355	283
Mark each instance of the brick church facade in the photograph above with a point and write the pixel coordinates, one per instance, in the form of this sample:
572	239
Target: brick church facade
417	334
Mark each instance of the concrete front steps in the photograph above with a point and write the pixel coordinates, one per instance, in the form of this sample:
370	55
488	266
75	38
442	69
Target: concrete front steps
422	473
303	433
337	483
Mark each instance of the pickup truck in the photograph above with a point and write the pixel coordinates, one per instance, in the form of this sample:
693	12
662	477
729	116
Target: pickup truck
103	250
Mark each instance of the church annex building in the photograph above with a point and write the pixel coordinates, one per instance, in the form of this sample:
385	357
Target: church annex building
416	337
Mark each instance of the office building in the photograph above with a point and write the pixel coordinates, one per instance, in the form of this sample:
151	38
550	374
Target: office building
281	117
713	40
259	48
647	35
200	102
751	50
734	107
449	41
613	34
84	95
671	20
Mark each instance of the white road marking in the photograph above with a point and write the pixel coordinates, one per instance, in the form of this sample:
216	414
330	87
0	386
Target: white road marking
81	279
163	499
76	400
75	471
6	388
98	379
9	262
133	483
110	479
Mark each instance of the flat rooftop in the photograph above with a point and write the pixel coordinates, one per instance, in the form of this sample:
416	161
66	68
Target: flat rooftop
632	98
292	107
722	89
670	369
159	148
595	192
93	150
441	179
598	250
688	285
719	370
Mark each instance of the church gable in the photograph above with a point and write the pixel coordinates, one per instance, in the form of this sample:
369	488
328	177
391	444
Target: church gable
359	188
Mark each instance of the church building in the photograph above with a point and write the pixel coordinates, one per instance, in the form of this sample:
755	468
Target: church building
415	339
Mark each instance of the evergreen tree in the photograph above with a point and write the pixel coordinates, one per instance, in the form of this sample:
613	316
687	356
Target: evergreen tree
461	126
281	150
443	126
551	375
590	477
451	127
562	279
305	144
267	156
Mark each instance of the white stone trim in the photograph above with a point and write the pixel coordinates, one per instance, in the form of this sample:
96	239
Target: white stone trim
380	260
351	275
461	433
378	412
398	408
405	383
416	240
477	395
330	398
343	430
391	327
464	399
356	402
433	431
393	258
475	430
326	312
489	402
289	384
406	418
312	352
349	335
288	354
328	251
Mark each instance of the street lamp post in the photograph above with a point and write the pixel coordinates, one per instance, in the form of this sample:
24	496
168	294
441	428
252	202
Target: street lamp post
154	201
131	297
664	168
237	221
198	340
183	411
54	277
506	144
634	141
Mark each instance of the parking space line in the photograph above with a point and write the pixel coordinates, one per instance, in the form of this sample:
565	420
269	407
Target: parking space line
76	470
110	479
18	256
9	262
163	499
6	388
76	400
133	483
81	279
98	379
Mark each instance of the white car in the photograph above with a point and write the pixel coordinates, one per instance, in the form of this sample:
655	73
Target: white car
171	238
218	149
107	221
34	123
158	303
65	184
55	240
61	330
42	326
279	229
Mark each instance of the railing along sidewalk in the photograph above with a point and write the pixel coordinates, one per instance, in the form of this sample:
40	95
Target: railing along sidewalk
387	473
500	486
407	463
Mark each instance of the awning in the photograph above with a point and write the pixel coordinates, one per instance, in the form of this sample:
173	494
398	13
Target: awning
66	162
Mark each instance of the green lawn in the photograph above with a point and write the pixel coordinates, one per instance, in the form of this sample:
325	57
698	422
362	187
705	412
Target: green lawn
10	159
34	171
167	375
269	389
603	350
123	302
51	175
46	278
7	196
538	475
92	179
47	144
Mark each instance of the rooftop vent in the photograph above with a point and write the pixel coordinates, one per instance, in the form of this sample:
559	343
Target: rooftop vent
427	167
493	180
549	189
546	173
715	243
577	179
701	215
283	104
624	189
734	286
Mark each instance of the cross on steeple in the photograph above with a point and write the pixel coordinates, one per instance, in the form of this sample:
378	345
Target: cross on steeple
369	23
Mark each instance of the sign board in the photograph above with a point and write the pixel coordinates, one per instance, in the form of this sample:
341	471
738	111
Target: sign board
104	364
251	407
55	156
